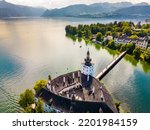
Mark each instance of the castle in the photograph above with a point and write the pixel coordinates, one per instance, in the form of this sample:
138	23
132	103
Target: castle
77	92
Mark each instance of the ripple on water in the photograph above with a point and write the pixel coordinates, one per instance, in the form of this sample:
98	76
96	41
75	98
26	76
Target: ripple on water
10	69
8	102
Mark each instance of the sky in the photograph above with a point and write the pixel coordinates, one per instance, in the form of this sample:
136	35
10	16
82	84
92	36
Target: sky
62	3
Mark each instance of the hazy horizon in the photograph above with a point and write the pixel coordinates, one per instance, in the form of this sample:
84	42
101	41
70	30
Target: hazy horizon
62	3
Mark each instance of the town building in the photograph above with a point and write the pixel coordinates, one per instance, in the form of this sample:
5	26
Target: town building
139	42
77	92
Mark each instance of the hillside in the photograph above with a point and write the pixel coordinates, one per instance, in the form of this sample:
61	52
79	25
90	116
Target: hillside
12	10
134	11
82	9
97	10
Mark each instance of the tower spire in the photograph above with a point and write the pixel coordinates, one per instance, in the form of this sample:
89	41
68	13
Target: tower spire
88	53
88	59
88	67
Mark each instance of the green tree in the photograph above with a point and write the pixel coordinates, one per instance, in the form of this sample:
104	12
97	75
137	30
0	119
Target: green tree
104	43
88	34
127	31
26	98
93	29
111	44
114	34
109	33
79	33
137	53
123	48
102	30
118	46
147	55
40	106
99	36
39	85
130	47
80	27
74	30
142	33
133	36
125	24
71	30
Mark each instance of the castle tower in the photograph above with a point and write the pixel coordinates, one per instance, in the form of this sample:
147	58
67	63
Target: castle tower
87	67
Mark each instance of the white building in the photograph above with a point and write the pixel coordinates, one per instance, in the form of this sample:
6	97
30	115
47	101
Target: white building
139	42
143	43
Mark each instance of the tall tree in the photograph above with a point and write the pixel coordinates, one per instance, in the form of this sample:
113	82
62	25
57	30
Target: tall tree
147	55
26	98
99	36
127	31
39	85
137	53
79	33
130	47
123	48
111	44
88	34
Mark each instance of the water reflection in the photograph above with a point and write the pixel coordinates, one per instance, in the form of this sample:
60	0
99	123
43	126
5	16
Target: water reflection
97	46
145	66
131	60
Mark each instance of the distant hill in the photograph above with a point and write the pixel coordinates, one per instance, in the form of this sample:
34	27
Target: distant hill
141	4
120	9
82	9
134	11
113	6
12	10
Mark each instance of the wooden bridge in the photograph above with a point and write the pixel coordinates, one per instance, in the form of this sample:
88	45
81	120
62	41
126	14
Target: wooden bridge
111	66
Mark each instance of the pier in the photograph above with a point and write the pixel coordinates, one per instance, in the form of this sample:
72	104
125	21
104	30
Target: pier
110	66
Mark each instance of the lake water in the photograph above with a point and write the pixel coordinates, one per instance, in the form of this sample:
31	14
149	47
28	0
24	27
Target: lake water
31	49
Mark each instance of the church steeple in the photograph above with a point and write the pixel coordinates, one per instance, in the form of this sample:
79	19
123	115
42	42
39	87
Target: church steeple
87	67
88	59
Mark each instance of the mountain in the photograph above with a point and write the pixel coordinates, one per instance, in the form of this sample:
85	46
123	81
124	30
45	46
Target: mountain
134	11
97	10
112	5
120	9
12	10
82	9
141	4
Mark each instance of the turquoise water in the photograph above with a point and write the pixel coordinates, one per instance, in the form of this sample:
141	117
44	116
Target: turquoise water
31	49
